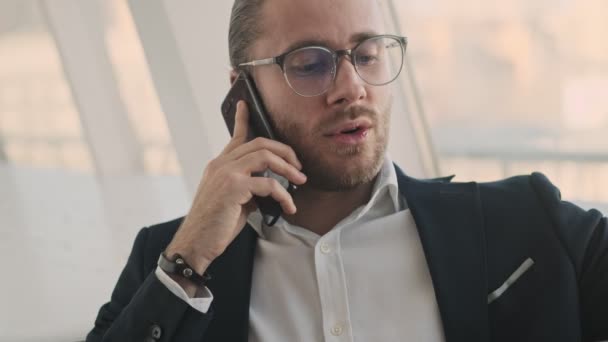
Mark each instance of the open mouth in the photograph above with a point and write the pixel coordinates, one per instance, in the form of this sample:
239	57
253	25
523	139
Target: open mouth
351	128
351	136
352	131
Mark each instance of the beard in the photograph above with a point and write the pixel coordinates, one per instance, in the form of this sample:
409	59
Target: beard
338	168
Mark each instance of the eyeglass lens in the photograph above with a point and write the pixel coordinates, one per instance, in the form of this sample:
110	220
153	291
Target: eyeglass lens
310	71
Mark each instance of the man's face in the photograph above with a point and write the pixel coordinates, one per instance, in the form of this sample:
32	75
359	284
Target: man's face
332	162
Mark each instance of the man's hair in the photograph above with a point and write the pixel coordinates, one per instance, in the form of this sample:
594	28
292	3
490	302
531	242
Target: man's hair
244	29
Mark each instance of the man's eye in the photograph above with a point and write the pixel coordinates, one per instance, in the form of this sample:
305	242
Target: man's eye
308	69
367	59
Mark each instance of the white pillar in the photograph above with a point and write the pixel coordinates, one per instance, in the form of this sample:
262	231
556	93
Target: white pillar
185	43
78	31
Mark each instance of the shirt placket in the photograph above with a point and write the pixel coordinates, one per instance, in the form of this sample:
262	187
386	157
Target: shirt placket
332	288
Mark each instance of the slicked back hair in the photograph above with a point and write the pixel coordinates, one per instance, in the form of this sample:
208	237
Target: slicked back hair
244	29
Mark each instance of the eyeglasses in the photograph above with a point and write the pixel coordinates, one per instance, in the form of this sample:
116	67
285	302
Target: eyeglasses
310	71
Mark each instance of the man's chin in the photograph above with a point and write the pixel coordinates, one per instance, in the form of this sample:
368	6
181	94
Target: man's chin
343	174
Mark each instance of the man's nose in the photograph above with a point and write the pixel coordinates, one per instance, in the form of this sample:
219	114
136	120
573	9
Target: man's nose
348	87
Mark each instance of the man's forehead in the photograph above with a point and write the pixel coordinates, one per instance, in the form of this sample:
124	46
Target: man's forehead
322	40
288	23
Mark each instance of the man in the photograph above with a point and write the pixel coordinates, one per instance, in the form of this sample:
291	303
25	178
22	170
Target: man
362	252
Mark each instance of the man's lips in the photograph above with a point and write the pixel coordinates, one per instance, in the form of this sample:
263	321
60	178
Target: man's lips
350	127
352	132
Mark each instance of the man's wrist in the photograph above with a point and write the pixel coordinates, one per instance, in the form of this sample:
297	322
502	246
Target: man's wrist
178	266
198	263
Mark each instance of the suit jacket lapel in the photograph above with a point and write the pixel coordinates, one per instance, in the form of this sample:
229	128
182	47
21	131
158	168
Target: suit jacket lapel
450	224
231	287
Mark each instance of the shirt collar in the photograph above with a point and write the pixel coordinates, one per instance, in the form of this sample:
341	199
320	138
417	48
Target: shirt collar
386	185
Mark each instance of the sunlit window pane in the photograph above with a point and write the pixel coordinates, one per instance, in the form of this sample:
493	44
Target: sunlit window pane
515	87
39	123
137	90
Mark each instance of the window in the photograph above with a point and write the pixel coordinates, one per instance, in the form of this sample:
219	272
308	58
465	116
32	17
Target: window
57	204
39	123
515	87
137	90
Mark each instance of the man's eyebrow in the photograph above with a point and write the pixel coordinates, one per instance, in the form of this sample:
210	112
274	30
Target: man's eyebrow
305	43
358	37
355	38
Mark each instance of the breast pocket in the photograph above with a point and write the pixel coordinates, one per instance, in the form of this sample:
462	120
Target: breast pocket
511	280
517	297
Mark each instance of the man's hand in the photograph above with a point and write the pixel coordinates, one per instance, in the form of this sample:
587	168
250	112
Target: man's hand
224	197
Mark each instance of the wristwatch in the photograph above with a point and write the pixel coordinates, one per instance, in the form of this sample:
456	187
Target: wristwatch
179	267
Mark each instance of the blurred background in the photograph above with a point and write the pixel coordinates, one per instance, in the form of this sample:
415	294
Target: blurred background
109	113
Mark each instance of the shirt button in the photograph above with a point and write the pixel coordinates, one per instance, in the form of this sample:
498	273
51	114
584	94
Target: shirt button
325	249
337	330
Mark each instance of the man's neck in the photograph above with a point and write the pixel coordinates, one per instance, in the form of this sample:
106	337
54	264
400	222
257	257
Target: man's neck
319	211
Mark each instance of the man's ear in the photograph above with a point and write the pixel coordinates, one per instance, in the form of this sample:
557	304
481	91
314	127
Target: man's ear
233	75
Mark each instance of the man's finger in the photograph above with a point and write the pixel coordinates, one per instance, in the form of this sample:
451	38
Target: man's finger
263	186
261	160
280	149
241	126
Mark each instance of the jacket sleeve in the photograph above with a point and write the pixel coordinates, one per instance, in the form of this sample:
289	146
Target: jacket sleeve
143	309
584	235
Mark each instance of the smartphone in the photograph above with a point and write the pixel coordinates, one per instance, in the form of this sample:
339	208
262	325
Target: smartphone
244	89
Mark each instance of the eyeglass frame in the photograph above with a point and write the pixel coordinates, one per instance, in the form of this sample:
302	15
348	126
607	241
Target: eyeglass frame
337	54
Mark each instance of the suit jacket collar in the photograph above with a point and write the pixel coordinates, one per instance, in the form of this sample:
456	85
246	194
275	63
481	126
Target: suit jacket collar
450	224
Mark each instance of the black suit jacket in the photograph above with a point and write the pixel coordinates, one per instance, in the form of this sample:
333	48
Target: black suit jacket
474	237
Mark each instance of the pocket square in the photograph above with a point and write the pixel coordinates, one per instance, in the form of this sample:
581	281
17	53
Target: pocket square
511	280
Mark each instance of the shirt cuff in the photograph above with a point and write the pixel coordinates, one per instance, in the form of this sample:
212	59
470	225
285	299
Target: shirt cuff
200	303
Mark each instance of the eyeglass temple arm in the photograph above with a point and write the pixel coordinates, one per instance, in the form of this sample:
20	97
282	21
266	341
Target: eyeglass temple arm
266	61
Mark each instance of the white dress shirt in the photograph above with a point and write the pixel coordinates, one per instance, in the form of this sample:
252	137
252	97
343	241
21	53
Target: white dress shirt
365	280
